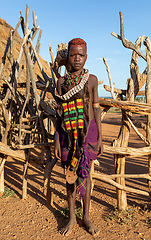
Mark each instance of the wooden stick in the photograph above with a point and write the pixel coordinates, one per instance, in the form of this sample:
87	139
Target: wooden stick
113	176
14	95
117	185
34	145
105	110
6	150
148	100
8	124
142	108
2	162
10	57
51	54
100	82
8	46
126	42
41	69
25	103
127	151
34	19
53	76
30	119
2	165
136	130
118	91
110	79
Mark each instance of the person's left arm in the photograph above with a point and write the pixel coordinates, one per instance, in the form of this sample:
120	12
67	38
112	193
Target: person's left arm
97	113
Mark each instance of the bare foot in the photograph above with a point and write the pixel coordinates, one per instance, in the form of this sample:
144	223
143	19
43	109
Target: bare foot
90	227
68	228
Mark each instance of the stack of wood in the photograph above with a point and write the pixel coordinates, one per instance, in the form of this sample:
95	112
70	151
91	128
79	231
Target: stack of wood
125	100
27	109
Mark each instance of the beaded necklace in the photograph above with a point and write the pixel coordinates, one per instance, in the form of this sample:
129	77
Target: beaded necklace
71	80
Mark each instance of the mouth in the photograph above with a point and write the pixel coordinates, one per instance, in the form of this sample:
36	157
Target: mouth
77	64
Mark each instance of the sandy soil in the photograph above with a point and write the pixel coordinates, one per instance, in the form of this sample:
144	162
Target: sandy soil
34	219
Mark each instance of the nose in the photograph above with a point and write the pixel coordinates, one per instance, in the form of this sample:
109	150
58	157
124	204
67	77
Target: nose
77	57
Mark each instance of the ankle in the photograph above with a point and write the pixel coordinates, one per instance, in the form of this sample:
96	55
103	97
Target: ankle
72	217
86	218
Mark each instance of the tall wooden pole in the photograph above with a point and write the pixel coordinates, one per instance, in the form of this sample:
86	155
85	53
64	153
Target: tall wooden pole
148	100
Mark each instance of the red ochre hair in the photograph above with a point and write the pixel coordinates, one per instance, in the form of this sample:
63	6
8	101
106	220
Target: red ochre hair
77	41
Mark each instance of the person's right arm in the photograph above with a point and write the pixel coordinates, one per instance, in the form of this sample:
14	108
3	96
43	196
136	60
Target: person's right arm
58	124
57	141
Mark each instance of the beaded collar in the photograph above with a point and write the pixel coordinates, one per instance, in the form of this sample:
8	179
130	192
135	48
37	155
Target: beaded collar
71	80
76	88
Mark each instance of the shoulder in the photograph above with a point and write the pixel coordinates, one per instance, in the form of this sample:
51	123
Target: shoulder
93	80
60	80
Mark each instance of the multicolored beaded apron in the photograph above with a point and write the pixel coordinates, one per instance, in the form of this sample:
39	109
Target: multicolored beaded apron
73	119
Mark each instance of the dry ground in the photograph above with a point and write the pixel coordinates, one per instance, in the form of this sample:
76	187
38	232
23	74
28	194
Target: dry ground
34	219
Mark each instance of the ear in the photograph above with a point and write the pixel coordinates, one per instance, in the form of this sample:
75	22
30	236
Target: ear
86	56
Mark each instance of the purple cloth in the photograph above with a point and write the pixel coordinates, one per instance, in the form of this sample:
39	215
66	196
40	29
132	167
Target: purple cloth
90	151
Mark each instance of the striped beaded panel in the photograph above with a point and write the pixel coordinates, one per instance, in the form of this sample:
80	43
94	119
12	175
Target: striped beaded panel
73	118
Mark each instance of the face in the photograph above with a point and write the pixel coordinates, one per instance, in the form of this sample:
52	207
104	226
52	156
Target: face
77	57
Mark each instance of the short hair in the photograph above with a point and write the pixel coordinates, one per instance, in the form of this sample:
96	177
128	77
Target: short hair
77	41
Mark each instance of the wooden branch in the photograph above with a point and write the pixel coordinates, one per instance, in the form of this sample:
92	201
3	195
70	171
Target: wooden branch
136	107
4	149
10	56
126	42
19	60
110	79
53	76
21	147
14	94
121	91
127	151
30	119
138	78
8	124
148	100
113	176
38	40
8	46
41	69
116	90
34	20
100	82
141	93
119	186
24	126
105	110
136	130
2	165
51	54
143	125
27	20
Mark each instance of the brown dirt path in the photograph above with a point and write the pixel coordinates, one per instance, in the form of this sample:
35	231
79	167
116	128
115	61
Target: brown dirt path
33	219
